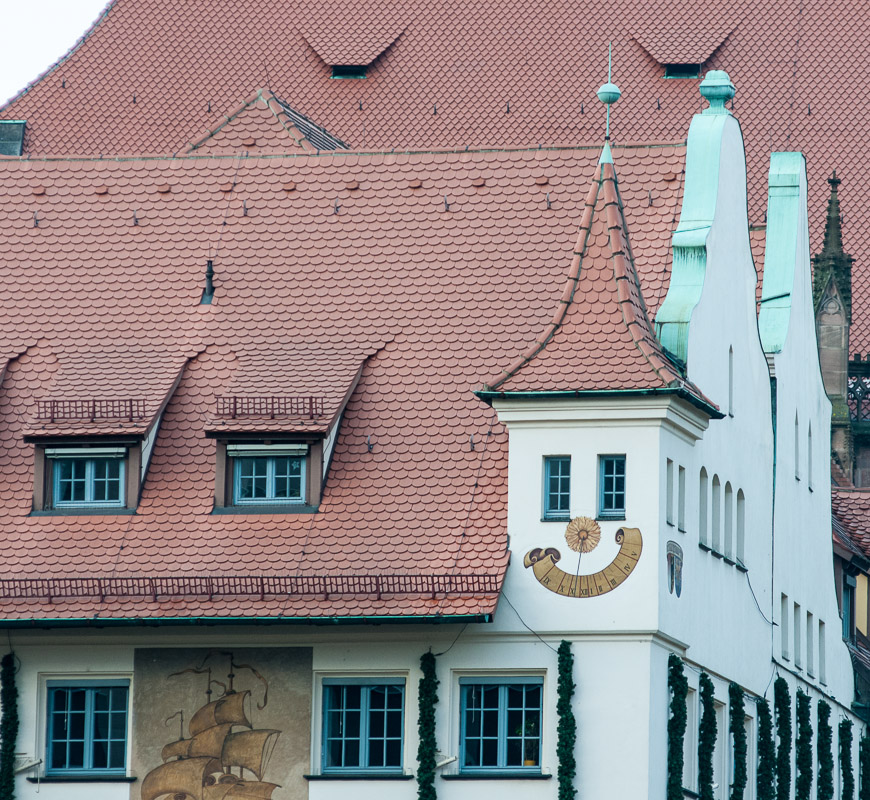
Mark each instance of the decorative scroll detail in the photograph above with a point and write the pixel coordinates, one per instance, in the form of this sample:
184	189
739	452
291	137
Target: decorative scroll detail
543	564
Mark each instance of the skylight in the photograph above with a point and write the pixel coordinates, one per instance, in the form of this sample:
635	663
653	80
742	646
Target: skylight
682	70
346	71
11	137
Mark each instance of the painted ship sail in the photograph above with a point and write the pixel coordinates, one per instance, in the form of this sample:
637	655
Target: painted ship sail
216	762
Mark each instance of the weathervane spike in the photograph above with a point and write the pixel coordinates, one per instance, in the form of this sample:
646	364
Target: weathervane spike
609	93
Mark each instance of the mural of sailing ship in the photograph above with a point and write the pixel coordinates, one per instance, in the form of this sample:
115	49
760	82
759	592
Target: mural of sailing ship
224	757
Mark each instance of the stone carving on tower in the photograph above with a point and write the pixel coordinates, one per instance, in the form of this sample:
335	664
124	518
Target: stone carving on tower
832	300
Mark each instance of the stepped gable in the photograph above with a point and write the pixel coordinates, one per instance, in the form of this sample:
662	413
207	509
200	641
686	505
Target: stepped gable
600	337
322	263
264	124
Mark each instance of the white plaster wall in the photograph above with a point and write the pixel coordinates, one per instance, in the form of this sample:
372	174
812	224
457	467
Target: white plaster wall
618	697
738	448
803	561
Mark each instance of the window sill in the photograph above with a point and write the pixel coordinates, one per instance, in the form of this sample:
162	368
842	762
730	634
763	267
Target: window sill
715	553
741	566
669	524
610	518
555	519
298	508
84	779
83	512
705	547
729	560
498	776
359	776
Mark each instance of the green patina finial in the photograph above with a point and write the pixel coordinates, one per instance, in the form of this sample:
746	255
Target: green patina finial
609	93
717	89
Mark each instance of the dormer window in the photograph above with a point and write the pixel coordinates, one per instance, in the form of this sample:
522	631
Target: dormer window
74	478
682	70
356	71
12	137
268	474
83	479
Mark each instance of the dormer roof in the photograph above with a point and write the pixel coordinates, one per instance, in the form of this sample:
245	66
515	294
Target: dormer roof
600	338
264	124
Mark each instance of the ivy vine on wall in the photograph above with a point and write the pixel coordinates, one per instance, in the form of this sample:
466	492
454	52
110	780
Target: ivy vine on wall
846	771
566	732
765	787
803	782
428	698
8	726
737	730
782	715
825	786
678	686
864	768
706	738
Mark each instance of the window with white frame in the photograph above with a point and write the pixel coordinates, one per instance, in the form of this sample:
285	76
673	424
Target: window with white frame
500	726
268	474
363	724
87	477
611	487
87	727
557	487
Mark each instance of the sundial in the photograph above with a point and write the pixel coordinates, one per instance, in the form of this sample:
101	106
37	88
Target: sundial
583	535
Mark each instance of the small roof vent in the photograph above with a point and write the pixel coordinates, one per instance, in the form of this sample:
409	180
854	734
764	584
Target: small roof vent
12	137
349	71
682	70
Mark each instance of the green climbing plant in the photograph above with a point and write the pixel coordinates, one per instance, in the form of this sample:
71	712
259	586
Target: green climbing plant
803	783
428	698
782	716
678	686
765	778
845	746
825	737
8	726
864	768
706	738
566	731
737	730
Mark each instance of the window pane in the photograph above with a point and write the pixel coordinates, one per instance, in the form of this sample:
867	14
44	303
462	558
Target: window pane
472	753
489	757
84	732
100	755
514	753
393	756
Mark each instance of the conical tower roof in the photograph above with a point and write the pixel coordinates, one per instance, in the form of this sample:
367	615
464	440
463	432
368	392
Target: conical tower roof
600	338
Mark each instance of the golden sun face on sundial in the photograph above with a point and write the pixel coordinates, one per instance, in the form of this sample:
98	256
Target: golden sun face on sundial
583	535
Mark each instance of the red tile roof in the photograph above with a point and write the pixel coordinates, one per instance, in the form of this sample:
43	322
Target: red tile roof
263	124
481	73
600	337
362	261
852	509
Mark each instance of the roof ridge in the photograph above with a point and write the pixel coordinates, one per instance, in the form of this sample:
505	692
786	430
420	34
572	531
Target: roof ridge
624	270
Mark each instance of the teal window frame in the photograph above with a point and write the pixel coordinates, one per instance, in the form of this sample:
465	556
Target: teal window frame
611	469
85	471
472	723
90	737
369	734
271	475
557	470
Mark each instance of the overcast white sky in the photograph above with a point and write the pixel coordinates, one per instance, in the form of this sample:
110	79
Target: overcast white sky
36	33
